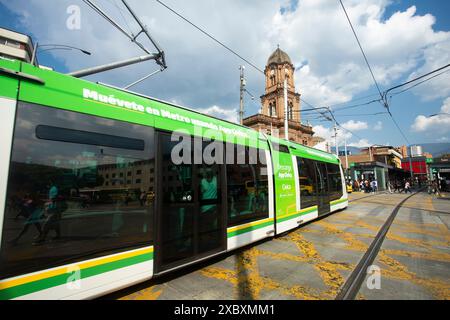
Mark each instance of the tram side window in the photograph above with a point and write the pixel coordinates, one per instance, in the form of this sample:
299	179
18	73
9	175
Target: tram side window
68	199
247	185
307	180
335	181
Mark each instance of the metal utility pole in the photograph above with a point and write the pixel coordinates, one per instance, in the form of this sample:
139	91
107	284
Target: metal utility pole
346	156
335	139
410	165
286	114
241	98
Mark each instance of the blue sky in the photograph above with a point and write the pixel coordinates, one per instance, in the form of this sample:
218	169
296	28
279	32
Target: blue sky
400	43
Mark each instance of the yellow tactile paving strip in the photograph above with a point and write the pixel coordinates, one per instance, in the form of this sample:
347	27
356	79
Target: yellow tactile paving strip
248	282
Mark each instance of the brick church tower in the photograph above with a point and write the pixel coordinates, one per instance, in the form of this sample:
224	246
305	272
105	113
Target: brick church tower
271	119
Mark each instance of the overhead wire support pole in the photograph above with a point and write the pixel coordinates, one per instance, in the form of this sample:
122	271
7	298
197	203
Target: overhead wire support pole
158	57
335	139
286	114
115	24
144	30
241	95
110	66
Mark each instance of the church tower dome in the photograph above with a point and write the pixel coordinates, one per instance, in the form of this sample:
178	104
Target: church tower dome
279	68
279	57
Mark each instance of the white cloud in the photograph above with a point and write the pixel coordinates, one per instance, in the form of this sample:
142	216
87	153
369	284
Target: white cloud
438	124
202	74
360	144
328	135
218	112
436	56
378	126
355	125
318	33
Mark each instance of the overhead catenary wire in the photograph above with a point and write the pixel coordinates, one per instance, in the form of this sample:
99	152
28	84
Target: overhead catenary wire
217	41
399	129
419	83
361	114
382	96
121	10
357	105
312	108
210	36
409	82
362	50
418	78
114	24
354	100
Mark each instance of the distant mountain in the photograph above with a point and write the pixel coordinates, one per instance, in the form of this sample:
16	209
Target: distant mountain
436	149
350	150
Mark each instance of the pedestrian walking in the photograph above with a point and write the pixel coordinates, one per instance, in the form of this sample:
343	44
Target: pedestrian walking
374	186
407	187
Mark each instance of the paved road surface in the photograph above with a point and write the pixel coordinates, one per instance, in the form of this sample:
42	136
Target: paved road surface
314	261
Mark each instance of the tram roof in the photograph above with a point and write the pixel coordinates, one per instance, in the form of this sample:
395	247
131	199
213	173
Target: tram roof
69	93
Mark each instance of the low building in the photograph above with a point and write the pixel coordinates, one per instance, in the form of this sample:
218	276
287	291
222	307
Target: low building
381	163
15	45
419	167
439	169
372	170
386	154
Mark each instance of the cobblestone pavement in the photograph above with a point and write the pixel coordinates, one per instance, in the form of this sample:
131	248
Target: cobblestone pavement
314	261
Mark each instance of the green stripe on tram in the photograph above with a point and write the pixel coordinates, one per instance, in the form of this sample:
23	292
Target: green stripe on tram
249	228
338	201
296	215
31	287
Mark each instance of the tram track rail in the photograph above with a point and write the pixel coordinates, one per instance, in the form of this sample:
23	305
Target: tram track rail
408	207
353	284
365	197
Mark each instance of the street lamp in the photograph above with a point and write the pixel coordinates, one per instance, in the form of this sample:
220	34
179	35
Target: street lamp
54	47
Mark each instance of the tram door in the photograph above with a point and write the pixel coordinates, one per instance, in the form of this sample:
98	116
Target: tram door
323	191
190	217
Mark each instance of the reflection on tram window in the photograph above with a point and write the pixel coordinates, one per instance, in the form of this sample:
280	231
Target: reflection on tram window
247	186
210	211
307	180
334	181
68	201
177	223
191	204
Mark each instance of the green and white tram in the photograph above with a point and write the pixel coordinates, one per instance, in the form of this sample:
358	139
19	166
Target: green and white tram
92	198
